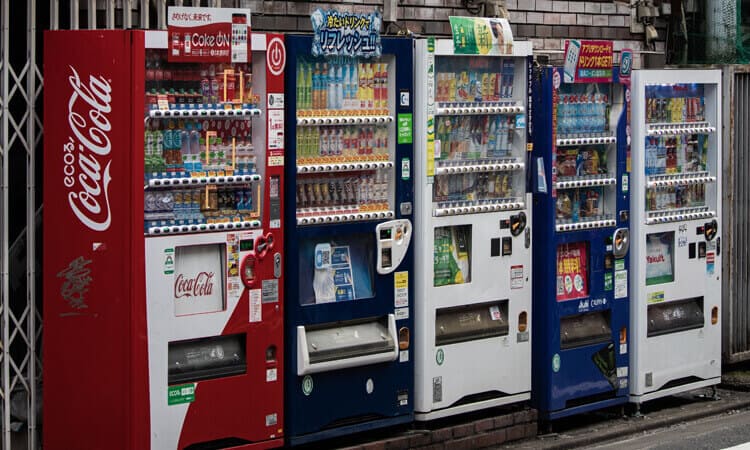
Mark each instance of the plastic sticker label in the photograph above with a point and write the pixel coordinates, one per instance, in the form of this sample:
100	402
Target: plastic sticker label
619	264
621	284
710	263
168	261
402	313
625	182
556	363
403	356
271	375
256	307
622	372
440	357
655	297
404	128
401	289
516	277
607	281
623	349
307	385
405	169
184	393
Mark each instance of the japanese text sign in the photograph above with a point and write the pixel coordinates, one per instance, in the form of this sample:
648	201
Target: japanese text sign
588	61
208	35
346	34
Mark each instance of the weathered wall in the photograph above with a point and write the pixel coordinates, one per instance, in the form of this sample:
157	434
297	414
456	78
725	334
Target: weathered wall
546	22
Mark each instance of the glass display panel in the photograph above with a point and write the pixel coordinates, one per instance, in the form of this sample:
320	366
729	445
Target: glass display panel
452	255
659	258
675	103
471	322
199	279
200	165
336	269
206	358
583	109
572	271
474	79
672	317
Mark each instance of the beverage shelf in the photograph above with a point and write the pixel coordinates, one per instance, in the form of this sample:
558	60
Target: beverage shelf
215	113
344	120
586	140
679	215
343	166
158	182
473	166
585	181
661	129
202	227
680	179
316	216
476	207
471	108
586	224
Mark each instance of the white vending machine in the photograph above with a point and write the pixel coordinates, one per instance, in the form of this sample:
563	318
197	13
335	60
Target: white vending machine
473	216
675	265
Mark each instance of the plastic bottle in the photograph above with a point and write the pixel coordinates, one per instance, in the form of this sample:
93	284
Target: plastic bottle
214	85
187	161
195	148
331	87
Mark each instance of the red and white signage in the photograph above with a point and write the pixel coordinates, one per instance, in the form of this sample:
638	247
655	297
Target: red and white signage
197	279
208	35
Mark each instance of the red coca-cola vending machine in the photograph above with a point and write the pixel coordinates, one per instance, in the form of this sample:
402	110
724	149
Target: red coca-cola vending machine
163	302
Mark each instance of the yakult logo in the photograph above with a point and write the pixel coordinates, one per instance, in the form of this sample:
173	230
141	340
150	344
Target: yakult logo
655	259
88	150
200	285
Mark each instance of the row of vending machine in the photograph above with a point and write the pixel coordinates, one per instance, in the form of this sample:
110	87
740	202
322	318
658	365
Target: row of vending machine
330	245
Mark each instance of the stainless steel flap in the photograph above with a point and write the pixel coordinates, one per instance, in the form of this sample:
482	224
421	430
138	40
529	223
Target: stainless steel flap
340	345
671	317
471	322
348	340
585	329
213	357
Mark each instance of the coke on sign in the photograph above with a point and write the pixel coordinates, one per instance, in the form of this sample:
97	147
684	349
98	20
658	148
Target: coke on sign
87	151
200	285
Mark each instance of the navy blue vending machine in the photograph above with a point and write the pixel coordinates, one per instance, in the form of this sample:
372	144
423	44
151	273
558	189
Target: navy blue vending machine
580	258
349	206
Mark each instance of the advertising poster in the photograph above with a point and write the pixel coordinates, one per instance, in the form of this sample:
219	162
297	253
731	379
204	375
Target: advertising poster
572	271
346	34
481	36
659	258
208	35
588	61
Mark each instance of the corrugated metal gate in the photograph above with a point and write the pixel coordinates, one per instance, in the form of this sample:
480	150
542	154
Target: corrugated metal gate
20	195
736	220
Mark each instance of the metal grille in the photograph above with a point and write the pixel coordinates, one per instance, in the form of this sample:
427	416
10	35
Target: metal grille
736	206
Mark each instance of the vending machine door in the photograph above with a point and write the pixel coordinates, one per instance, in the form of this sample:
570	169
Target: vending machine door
349	192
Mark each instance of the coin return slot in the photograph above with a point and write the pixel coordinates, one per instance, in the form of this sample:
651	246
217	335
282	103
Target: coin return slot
471	322
585	329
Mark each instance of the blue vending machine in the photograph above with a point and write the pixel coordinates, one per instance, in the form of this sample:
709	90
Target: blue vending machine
580	259
348	203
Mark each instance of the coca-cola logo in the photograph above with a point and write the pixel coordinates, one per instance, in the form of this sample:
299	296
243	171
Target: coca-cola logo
655	259
201	285
87	150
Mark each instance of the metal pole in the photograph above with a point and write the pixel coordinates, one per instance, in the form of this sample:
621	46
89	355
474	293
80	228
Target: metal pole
74	12
127	14
144	14
31	91
54	14
91	15
5	301
110	11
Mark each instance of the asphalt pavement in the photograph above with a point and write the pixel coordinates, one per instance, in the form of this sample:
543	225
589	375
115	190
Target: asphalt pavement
694	419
